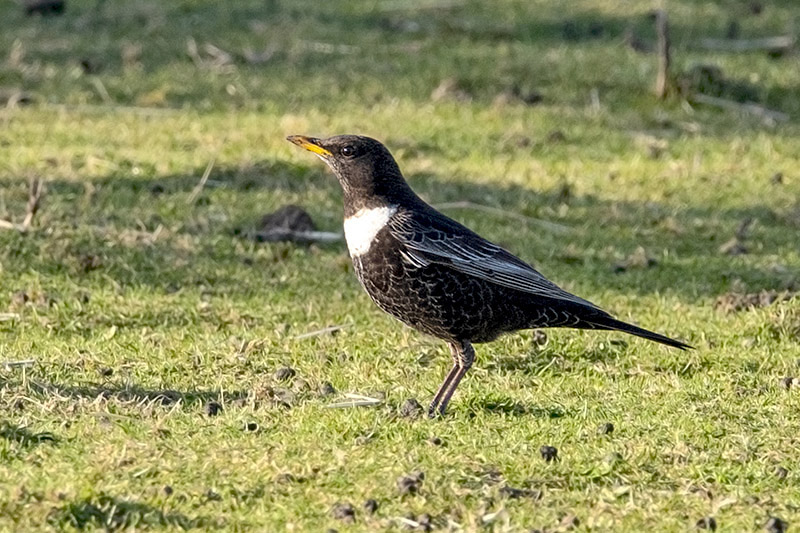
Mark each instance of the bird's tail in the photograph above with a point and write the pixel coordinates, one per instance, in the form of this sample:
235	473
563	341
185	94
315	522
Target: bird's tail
609	322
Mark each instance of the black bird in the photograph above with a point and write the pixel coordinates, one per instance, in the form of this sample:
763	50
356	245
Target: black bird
436	275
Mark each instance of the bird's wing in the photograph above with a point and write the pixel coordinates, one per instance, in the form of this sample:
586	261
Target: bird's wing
445	242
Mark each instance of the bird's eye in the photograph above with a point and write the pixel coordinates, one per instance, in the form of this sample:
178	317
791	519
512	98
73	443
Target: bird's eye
348	151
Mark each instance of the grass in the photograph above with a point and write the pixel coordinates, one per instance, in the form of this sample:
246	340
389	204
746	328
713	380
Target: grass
141	307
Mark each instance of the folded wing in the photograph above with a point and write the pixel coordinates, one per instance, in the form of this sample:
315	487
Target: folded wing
448	243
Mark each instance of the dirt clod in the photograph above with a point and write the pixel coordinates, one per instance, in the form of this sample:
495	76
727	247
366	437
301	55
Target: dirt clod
735	301
284	373
344	511
776	525
515	493
281	224
411	408
371	506
606	429
549	453
20	298
212	408
326	389
411	483
89	262
707	522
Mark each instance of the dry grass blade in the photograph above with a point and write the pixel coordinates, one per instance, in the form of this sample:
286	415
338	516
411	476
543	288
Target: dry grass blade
35	192
768	115
355	400
202	183
304	237
323	331
18	364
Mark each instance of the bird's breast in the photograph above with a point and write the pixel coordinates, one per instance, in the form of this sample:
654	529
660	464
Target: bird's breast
361	228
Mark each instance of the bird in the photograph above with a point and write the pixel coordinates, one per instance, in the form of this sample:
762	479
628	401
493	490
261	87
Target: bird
436	275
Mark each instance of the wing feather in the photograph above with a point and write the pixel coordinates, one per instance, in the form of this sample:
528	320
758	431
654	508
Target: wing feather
445	242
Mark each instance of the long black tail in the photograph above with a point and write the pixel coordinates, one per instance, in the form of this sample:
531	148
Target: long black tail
609	322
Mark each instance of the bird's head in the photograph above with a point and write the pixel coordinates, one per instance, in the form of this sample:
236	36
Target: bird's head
364	167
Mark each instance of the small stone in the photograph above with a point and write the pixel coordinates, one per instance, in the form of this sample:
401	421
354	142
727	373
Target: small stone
371	506
776	525
344	511
707	522
410	409
781	472
213	408
606	429
787	382
549	453
251	426
284	373
326	389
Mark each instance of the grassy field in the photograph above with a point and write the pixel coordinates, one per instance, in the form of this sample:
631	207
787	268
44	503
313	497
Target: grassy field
144	305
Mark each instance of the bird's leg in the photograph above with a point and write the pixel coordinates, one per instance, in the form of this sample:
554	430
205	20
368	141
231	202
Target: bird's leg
454	353
466	355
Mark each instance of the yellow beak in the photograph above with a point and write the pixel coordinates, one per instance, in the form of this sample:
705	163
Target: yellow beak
310	144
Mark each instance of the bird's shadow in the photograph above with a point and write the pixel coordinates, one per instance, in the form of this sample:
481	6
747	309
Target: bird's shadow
114	513
138	394
507	406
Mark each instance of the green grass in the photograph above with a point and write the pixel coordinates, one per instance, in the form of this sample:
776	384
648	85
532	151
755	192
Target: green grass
143	306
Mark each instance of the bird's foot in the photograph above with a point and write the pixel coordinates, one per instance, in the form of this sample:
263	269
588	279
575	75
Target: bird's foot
435	410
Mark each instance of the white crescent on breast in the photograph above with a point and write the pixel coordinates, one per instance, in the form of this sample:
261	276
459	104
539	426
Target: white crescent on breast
361	228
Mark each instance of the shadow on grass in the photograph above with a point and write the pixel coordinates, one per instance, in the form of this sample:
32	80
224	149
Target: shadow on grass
338	47
508	406
25	438
136	394
692	267
112	514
